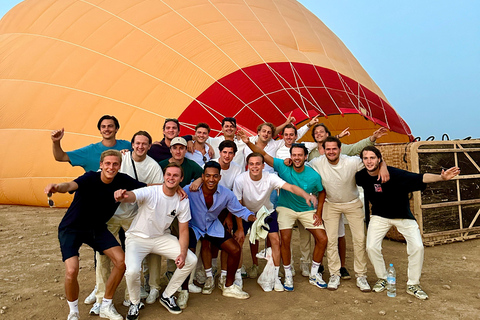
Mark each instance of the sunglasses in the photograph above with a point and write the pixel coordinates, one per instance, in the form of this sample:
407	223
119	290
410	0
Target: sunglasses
50	201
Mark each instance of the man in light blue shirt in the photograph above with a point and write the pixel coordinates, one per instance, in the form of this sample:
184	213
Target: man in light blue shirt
205	205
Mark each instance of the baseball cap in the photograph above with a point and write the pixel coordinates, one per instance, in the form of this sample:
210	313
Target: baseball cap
178	140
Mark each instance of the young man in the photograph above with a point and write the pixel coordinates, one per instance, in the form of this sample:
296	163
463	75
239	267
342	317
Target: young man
338	178
157	207
88	157
200	147
291	208
253	189
161	150
85	222
206	204
138	165
391	207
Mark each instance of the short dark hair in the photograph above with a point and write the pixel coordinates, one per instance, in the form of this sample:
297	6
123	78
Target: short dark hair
290	126
228	144
212	164
173	164
229	119
202	125
374	150
142	133
108	117
255	154
332	139
320	125
172	120
301	146
268	124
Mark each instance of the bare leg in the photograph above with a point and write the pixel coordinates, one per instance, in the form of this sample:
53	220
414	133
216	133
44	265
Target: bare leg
117	256
232	248
286	235
254	251
71	282
320	243
275	243
206	253
342	250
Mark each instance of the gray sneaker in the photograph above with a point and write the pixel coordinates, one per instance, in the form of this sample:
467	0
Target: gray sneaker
334	282
182	299
96	308
91	297
380	285
362	283
152	296
417	291
235	292
209	286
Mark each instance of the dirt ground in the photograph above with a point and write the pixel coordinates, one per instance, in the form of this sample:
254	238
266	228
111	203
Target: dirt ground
31	282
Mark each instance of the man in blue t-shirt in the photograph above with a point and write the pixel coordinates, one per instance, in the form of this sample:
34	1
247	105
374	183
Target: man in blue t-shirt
88	157
85	222
291	207
391	207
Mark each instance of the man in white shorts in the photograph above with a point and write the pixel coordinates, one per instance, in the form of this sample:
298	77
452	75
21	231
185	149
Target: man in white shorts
149	233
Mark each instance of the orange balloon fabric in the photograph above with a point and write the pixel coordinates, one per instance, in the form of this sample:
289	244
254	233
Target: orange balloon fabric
66	63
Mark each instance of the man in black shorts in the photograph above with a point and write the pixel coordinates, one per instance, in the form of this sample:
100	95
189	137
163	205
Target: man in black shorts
205	206
85	222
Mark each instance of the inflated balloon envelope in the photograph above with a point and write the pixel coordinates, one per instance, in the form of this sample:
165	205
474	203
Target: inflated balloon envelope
65	63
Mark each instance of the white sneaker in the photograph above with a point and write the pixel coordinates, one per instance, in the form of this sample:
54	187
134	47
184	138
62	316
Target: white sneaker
200	276
143	293
305	268
73	316
278	286
288	284
182	299
209	286
234	291
152	296
239	283
126	303
318	281
221	282
334	282
91	299
110	313
192	288
362	283
96	308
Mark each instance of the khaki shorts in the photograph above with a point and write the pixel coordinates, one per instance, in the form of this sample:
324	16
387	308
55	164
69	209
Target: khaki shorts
287	218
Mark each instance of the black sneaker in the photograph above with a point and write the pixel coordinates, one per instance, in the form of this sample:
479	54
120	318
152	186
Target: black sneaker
133	311
170	305
344	274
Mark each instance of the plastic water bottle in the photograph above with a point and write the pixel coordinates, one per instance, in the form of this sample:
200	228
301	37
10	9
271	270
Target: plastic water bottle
391	281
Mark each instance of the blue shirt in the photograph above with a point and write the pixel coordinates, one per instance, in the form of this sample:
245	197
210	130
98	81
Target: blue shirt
88	157
205	221
309	180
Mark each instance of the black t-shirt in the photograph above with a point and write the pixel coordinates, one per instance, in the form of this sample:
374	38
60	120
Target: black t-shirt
390	199
160	152
94	203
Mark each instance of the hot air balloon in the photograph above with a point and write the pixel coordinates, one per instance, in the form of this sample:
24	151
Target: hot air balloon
66	63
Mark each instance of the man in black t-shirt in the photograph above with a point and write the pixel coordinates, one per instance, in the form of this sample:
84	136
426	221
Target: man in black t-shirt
391	207
85	222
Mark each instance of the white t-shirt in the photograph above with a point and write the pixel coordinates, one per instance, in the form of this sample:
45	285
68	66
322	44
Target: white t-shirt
156	212
284	152
255	194
271	149
338	180
148	171
228	176
239	157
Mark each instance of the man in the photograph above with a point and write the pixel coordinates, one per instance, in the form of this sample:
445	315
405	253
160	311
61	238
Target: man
85	222
253	189
206	204
291	208
157	207
391	207
200	147
192	171
88	157
138	165
338	178
161	150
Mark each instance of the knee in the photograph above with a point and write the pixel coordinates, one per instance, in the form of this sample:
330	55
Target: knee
373	248
416	248
120	264
133	270
71	272
235	250
191	260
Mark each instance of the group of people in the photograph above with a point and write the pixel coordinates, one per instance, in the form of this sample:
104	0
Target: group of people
181	195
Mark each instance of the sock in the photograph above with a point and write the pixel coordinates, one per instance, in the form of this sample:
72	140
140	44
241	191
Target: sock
73	305
223	273
314	270
106	302
238	274
208	272
288	270
277	269
214	262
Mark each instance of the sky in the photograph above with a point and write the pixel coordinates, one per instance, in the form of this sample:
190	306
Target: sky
424	56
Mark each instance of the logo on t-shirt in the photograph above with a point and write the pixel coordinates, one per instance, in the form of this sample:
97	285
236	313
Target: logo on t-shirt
378	187
173	213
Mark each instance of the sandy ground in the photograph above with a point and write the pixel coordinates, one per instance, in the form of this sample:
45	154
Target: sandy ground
31	282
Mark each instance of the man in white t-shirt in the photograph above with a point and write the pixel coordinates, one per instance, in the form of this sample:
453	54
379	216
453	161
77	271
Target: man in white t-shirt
138	165
253	189
149	233
338	178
